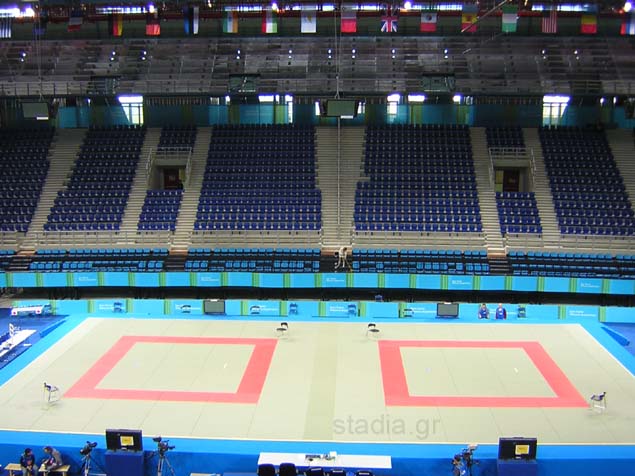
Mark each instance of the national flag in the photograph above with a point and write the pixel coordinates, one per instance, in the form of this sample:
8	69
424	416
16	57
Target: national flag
75	21
269	21
510	18
230	24
40	23
115	24
428	22
469	17
390	19
348	20
550	21
153	24
628	25
190	20
589	24
5	27
308	20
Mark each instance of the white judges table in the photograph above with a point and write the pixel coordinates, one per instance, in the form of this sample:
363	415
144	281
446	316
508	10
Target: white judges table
302	460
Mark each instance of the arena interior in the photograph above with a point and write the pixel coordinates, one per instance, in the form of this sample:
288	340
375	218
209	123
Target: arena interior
251	238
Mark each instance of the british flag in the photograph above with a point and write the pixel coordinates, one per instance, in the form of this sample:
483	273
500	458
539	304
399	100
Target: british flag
389	19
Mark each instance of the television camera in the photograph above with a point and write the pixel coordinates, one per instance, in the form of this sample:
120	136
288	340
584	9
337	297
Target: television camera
163	445
467	455
88	447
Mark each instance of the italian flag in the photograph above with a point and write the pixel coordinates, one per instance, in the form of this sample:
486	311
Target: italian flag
269	22
510	17
230	25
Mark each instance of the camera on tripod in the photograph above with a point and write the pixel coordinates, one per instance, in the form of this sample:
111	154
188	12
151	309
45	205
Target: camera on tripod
162	445
88	447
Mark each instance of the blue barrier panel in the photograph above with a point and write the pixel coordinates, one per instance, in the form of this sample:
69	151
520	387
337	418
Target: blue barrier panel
208	279
116	279
150	307
185	307
341	309
620	315
333	280
109	305
557	285
3	280
397	281
239	279
84	279
303	308
547	311
24	280
381	309
55	280
271	280
305	280
621	286
462	283
582	312
524	283
420	310
179	279
589	285
366	280
233	307
66	307
492	283
263	308
146	280
428	281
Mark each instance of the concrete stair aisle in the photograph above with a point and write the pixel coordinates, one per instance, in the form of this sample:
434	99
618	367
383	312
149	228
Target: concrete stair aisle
544	199
192	192
62	155
130	220
622	145
486	192
338	186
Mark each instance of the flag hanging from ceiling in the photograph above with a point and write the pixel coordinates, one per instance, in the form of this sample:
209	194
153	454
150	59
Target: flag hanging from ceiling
308	20
348	19
589	24
230	24
5	27
153	24
269	21
40	23
75	20
190	20
628	25
428	22
469	17
115	24
550	21
510	18
390	19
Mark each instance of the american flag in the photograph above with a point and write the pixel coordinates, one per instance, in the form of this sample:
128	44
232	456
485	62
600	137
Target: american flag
550	21
389	20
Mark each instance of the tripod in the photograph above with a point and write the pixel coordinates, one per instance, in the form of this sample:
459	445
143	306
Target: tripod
86	463
163	460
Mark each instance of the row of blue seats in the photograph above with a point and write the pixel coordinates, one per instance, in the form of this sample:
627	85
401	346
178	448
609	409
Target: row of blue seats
519	220
420	227
72	217
597	230
158	209
521	229
594	221
259	266
593	212
81	226
417	209
420	254
417	199
301	253
102	252
69	209
420	267
380	190
254	208
14	227
415	218
257	226
258	216
103	266
213	198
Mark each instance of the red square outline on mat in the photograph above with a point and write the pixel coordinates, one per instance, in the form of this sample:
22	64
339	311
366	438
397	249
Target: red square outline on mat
396	386
248	391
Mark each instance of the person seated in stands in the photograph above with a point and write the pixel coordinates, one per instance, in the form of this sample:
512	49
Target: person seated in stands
53	460
27	462
501	313
483	312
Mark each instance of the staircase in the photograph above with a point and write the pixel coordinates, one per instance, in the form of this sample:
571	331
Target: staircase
544	200
622	145
191	193
338	183
486	192
139	186
62	155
